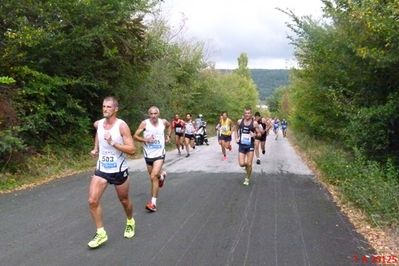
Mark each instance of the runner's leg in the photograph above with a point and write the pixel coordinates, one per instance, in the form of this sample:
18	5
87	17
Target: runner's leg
257	154
123	195
96	190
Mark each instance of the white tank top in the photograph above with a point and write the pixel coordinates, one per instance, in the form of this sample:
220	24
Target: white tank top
190	129
156	148
110	159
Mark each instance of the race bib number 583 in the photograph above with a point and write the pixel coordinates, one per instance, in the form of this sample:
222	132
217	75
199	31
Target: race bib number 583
108	162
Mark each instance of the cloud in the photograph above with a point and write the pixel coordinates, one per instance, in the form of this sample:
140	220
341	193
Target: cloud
231	27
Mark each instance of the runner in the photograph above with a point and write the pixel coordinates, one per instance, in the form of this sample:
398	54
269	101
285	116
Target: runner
226	125
178	126
260	139
284	126
189	134
246	130
217	128
112	142
152	133
276	125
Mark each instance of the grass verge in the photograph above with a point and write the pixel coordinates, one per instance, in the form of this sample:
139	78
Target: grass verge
44	167
366	191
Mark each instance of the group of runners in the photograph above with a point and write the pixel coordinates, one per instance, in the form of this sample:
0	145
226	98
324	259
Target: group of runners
185	131
114	140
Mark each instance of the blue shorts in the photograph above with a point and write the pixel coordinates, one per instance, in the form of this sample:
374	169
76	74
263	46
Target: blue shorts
246	148
117	178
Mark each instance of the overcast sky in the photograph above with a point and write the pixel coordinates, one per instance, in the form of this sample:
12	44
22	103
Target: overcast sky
231	27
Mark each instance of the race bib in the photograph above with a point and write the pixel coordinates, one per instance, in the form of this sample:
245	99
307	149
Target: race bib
156	144
245	139
178	130
108	161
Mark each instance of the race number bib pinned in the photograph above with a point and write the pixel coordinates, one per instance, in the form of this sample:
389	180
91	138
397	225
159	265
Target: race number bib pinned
156	144
245	139
108	161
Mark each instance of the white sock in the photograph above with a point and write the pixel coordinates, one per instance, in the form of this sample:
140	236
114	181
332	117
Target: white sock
101	230
154	200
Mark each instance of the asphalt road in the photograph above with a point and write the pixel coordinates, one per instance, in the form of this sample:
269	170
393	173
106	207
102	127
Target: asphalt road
205	217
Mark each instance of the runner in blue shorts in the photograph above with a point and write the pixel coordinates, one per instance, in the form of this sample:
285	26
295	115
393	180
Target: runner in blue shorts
246	130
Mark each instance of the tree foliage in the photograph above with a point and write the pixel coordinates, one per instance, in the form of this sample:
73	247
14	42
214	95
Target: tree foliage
347	85
65	56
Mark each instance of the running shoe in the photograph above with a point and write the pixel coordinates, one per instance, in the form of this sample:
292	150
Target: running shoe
263	151
162	179
129	230
98	240
188	155
246	182
151	207
258	161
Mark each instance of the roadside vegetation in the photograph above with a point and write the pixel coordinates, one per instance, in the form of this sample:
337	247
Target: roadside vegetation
343	102
59	59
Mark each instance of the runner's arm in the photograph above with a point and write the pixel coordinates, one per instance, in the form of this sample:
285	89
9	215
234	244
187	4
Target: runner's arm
236	129
168	129
257	129
128	143
95	150
138	134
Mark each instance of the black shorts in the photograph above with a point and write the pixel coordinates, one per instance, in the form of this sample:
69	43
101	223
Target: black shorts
225	137
113	178
245	148
262	137
189	136
150	161
179	134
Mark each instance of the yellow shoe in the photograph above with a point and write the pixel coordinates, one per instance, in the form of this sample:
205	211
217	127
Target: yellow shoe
129	230
98	240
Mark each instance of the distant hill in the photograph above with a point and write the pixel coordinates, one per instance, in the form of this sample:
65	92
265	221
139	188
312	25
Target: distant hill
267	80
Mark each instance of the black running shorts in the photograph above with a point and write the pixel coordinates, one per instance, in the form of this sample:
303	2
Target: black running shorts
150	161
113	178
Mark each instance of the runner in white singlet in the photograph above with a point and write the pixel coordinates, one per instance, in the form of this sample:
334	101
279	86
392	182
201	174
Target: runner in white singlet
112	142
152	133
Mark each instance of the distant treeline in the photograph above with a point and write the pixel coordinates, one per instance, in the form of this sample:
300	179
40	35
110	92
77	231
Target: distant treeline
267	80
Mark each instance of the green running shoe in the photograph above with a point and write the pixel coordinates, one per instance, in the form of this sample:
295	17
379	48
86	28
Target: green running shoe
129	230
246	182
98	240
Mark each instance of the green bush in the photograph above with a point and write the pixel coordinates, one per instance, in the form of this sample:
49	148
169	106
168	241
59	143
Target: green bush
370	185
